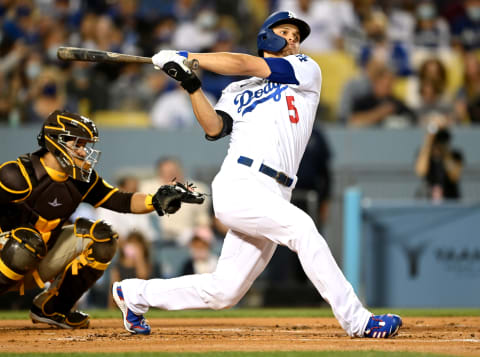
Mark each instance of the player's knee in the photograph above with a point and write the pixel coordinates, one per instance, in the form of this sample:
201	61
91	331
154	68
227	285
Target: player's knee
224	300
104	238
99	231
22	253
103	252
305	228
225	295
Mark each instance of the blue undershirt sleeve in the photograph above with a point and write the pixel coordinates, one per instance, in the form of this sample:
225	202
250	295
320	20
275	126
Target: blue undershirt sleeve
282	71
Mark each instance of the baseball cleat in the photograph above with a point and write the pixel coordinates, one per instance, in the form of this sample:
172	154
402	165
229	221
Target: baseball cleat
133	323
72	320
383	326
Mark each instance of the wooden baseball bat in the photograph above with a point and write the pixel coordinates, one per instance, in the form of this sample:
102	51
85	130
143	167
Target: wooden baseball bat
85	54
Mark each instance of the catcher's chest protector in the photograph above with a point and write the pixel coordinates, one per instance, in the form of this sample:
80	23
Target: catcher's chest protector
49	204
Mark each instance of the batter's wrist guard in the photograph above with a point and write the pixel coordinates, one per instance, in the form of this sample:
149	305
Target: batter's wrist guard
191	84
187	78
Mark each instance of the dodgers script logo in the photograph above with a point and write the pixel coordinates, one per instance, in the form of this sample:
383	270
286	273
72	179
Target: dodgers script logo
248	100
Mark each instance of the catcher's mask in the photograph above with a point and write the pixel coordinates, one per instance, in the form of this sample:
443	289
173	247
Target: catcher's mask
71	139
267	40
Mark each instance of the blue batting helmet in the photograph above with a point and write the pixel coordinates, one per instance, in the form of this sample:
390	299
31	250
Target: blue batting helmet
267	40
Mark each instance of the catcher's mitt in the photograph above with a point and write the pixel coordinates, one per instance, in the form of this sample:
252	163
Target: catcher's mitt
169	198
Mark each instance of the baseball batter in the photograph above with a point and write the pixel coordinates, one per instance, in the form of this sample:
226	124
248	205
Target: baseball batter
269	118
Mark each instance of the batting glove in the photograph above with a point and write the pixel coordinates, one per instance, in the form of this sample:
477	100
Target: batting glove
161	58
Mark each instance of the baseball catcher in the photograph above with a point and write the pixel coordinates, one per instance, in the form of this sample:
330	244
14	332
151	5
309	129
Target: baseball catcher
39	191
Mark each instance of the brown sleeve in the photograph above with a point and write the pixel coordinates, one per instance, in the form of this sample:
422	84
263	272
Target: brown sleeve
119	202
15	184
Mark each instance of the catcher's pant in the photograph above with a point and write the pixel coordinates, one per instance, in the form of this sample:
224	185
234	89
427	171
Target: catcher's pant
67	247
258	212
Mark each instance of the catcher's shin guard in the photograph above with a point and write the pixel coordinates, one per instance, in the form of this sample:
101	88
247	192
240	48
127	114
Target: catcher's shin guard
54	305
22	252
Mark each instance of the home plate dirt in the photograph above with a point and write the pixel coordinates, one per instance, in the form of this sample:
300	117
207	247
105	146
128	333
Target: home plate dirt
459	336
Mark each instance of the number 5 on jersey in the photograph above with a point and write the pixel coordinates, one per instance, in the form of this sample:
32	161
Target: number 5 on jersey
292	110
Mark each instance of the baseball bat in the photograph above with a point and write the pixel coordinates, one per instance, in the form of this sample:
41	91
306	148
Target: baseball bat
85	54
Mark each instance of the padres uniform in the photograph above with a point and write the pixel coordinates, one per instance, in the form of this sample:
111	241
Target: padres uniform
272	122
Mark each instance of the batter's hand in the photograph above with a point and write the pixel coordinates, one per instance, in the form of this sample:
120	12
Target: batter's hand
163	57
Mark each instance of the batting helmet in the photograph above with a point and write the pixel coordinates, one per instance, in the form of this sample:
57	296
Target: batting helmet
61	127
267	40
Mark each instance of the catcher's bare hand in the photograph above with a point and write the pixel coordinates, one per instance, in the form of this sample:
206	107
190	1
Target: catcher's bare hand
169	198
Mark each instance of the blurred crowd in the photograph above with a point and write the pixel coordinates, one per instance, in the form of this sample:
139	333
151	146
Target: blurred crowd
406	55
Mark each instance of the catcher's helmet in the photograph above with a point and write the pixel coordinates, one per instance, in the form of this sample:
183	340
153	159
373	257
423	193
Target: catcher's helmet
81	133
267	40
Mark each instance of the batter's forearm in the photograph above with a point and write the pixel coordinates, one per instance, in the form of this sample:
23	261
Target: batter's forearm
235	64
206	115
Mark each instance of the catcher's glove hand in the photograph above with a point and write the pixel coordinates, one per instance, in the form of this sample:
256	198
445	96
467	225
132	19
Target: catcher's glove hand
169	198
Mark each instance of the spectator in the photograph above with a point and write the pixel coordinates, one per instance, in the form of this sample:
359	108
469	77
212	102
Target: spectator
163	32
427	95
379	47
121	96
47	94
125	223
199	34
87	88
86	36
401	20
467	102
466	27
380	107
176	228
328	20
438	165
432	34
354	36
431	31
431	69
172	110
20	23
202	259
356	88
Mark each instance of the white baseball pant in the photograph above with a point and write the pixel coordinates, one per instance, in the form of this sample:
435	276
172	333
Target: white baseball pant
258	212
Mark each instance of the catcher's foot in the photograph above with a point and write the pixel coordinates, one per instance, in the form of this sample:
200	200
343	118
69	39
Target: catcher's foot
72	320
383	326
133	323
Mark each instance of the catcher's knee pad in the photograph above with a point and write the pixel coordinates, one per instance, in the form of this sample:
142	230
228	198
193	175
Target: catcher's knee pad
22	253
103	236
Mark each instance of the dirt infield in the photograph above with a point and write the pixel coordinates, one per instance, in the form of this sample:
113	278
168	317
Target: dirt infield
455	336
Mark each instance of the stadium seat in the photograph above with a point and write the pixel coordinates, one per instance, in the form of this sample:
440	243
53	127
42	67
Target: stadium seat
337	68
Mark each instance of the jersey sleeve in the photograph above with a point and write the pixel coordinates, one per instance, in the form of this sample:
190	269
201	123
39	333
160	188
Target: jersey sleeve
307	72
99	191
298	70
15	184
102	194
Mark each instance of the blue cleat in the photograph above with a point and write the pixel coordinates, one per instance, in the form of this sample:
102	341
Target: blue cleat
133	323
383	326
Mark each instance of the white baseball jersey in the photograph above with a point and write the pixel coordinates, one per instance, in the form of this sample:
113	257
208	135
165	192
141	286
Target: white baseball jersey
263	129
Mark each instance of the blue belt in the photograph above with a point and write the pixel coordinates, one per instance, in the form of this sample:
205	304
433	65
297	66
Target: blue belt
279	176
